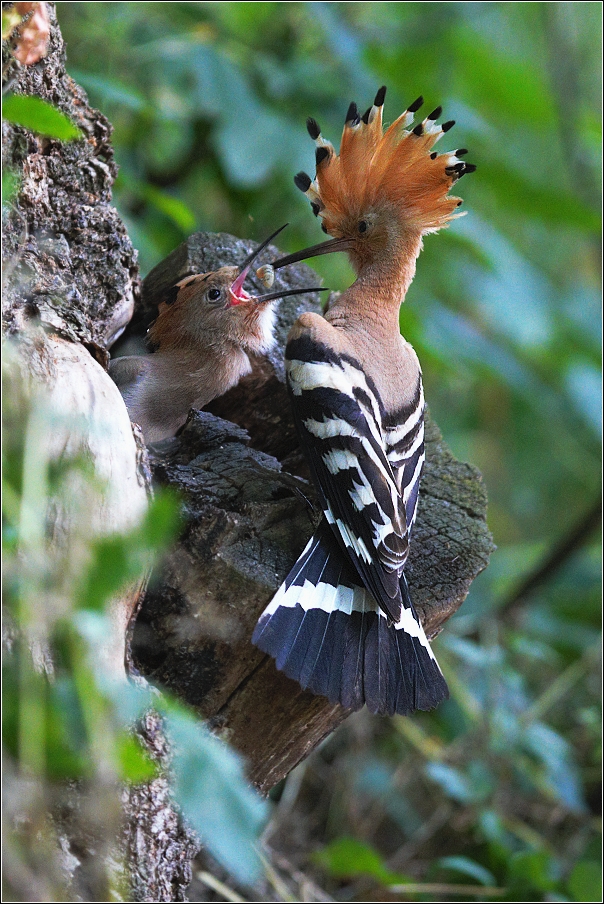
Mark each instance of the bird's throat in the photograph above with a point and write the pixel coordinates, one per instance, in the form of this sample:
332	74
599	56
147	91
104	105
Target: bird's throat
374	300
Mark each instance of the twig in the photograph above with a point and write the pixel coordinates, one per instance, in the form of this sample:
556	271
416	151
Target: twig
561	686
437	820
555	559
436	888
275	880
305	884
218	886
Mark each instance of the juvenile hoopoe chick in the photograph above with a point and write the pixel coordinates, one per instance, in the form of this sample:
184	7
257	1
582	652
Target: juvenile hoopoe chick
343	623
199	345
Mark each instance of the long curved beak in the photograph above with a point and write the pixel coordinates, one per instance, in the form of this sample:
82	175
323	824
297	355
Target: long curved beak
245	267
259	299
313	251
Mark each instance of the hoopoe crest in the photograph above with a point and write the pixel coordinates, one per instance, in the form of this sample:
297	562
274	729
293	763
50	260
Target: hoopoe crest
392	170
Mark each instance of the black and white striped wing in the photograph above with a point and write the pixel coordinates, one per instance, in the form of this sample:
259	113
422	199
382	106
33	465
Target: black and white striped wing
338	415
342	623
404	441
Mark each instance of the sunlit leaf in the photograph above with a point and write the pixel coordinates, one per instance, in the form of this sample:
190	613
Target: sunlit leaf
585	881
10	187
172	207
134	762
161	521
531	870
35	114
347	857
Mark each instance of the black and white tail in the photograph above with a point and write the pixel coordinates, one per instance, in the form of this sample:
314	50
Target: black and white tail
326	631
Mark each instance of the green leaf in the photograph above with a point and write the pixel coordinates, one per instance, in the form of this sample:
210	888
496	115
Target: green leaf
585	882
35	114
250	145
584	386
531	870
516	88
468	868
172	207
161	521
212	791
551	205
110	568
118	559
561	772
68	756
111	90
346	857
10	19
135	763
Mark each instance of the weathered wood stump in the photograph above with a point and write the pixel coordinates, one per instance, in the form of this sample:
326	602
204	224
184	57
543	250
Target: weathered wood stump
247	503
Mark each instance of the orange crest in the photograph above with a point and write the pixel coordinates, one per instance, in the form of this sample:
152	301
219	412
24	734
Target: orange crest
395	167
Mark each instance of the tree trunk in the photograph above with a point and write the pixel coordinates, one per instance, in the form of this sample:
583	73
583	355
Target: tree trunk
71	288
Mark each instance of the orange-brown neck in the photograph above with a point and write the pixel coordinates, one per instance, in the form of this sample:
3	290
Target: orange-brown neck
372	303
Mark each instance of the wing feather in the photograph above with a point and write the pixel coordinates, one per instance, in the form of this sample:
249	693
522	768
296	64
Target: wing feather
368	488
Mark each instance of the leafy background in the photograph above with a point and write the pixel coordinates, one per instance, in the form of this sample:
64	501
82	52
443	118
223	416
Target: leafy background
497	794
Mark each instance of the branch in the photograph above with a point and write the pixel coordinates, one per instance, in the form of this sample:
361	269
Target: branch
579	534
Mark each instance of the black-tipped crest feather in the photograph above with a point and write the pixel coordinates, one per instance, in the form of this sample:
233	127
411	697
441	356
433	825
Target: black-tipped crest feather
302	181
380	96
313	128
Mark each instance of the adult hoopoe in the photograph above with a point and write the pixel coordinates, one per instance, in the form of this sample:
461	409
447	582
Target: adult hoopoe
343	623
199	346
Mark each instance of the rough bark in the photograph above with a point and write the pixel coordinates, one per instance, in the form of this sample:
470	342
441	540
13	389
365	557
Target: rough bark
69	263
70	279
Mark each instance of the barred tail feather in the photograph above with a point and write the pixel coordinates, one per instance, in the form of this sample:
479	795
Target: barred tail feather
427	687
325	631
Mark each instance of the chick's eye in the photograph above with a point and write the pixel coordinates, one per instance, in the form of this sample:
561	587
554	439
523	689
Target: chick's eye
214	294
363	226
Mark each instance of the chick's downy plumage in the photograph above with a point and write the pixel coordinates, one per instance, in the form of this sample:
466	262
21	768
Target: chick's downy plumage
200	344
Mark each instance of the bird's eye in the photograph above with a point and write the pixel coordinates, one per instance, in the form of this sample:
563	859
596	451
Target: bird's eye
363	226
214	293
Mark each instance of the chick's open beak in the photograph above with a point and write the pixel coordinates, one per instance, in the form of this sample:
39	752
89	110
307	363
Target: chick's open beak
283	293
238	293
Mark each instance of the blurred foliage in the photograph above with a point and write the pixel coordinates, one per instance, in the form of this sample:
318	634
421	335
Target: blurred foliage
500	787
67	720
